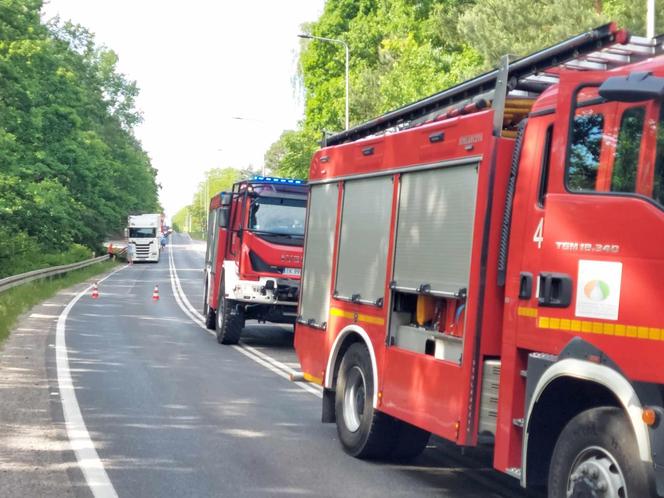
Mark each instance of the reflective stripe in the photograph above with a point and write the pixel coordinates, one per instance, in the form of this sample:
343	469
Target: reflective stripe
357	317
592	327
313	379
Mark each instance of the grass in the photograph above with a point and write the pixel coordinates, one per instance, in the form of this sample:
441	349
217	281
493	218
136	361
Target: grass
21	298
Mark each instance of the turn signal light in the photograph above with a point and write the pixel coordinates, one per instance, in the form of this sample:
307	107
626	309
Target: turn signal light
649	416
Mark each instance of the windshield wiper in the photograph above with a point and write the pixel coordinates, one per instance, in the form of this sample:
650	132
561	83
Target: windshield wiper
266	232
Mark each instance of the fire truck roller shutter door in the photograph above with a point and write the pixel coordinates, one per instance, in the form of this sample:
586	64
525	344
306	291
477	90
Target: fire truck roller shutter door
435	228
316	279
364	239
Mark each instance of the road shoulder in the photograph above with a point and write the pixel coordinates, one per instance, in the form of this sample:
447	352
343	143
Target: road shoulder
35	454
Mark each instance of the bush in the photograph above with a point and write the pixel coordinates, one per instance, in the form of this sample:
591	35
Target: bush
20	253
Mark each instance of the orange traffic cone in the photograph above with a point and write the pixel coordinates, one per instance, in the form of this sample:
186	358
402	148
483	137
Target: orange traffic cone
95	291
155	293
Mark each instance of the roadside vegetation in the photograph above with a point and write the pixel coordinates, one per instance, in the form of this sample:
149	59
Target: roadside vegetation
71	168
192	218
404	50
17	300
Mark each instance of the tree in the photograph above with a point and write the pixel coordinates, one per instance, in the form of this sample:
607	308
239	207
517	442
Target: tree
193	216
291	154
405	50
70	167
518	27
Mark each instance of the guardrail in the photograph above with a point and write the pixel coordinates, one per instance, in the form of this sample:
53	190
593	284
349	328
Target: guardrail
14	280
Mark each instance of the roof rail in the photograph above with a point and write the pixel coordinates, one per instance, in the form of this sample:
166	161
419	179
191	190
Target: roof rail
602	48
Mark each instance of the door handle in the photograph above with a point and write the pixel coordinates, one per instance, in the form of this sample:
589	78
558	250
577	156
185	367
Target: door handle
555	290
525	285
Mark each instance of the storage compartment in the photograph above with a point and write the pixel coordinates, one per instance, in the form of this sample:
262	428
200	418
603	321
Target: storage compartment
317	270
363	240
428	325
435	230
489	397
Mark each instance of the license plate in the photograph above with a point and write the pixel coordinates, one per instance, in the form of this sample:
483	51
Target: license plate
292	271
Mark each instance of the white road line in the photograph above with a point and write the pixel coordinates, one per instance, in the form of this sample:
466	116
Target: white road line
79	437
258	356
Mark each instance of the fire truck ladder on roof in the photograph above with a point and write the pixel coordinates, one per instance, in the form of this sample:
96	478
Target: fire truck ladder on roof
602	48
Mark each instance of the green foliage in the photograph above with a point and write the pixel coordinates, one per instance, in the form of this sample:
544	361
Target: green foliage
401	51
20	253
70	167
192	218
20	299
291	154
404	50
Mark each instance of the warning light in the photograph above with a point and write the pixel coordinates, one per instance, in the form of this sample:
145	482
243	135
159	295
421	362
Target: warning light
274	179
649	416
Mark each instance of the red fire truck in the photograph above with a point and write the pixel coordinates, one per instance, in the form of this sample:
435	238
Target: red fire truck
254	254
485	264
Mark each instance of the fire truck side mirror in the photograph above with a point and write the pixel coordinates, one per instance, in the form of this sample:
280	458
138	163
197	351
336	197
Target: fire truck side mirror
635	87
126	233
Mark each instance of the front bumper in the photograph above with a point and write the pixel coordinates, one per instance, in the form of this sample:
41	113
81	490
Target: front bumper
266	290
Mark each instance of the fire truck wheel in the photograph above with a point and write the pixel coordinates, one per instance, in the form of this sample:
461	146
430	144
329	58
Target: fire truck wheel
596	455
229	326
363	432
208	313
410	441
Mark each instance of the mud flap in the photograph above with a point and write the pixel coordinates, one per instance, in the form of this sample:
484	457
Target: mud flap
328	415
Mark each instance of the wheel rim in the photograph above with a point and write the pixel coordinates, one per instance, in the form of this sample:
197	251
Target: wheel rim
596	474
354	399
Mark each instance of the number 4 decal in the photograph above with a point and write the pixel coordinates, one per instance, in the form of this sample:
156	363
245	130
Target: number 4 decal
538	237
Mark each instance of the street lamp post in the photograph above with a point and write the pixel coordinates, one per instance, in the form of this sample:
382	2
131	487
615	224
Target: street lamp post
333	40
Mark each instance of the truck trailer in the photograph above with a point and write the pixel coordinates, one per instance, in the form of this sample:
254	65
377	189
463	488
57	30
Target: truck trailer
144	233
485	265
254	254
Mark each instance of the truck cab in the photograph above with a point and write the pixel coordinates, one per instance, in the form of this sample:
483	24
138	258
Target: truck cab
144	233
254	254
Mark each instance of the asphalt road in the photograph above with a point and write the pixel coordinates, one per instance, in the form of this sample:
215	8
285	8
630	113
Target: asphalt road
172	413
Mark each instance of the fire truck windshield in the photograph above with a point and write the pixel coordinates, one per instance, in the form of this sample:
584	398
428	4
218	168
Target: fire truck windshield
277	216
142	233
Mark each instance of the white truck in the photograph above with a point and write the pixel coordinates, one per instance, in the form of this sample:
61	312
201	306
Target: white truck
144	233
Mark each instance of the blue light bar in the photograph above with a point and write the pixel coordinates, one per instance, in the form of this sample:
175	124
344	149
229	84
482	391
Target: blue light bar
274	179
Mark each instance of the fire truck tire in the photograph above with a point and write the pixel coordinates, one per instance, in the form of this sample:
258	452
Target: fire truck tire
210	319
208	312
229	326
410	441
363	432
596	455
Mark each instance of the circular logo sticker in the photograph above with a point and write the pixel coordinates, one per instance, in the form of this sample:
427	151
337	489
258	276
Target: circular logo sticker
596	290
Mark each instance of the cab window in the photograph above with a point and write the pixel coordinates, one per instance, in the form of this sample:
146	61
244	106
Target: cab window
585	149
607	151
625	165
658	180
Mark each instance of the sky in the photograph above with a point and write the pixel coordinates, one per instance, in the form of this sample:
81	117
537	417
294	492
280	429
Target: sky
199	64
